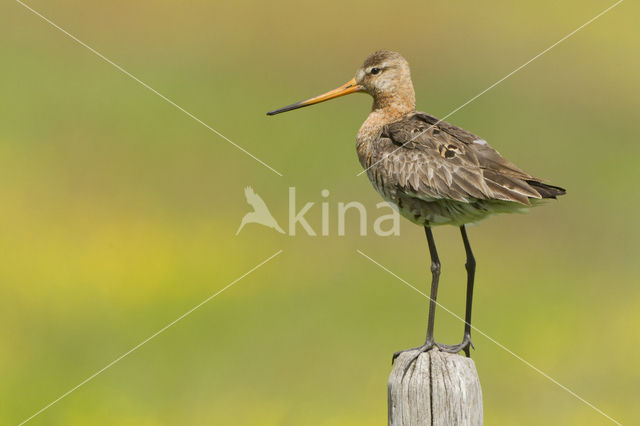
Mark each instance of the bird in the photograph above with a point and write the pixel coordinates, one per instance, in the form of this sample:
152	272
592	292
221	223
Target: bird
433	172
260	213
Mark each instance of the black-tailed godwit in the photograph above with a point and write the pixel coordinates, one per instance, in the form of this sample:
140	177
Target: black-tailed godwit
434	172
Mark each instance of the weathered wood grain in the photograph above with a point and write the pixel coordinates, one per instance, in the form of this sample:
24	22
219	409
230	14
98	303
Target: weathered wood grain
439	389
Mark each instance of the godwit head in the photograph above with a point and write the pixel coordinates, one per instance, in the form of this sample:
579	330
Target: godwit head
384	75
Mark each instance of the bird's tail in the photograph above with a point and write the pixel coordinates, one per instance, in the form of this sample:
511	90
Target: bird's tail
547	191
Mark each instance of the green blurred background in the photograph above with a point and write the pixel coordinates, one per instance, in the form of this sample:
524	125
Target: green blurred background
118	212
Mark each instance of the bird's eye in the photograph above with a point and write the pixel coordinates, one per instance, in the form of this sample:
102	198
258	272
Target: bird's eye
375	71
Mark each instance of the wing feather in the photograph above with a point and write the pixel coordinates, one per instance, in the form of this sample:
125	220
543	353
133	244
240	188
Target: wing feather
434	161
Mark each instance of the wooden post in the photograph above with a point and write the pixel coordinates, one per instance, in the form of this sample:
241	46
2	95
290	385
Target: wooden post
440	389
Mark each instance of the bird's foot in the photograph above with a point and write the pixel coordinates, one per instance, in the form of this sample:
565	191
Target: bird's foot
428	345
424	348
465	346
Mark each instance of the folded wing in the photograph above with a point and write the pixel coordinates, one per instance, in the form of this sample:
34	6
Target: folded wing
431	160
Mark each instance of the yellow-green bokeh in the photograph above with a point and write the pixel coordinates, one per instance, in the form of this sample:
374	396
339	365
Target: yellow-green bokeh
118	212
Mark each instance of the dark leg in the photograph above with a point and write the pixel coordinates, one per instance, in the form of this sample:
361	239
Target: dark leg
471	273
471	270
435	276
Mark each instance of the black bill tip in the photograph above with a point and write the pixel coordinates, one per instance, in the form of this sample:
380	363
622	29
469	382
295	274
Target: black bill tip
287	108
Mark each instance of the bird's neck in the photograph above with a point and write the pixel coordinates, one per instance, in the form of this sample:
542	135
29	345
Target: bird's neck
383	112
402	100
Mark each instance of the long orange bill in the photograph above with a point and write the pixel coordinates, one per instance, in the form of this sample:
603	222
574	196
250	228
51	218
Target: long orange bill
349	87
